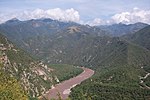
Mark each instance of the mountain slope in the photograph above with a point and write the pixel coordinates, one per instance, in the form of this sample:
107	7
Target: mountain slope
41	37
121	29
118	80
34	76
120	66
142	37
31	74
10	89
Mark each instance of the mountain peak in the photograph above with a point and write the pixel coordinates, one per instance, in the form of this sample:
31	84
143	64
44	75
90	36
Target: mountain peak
13	20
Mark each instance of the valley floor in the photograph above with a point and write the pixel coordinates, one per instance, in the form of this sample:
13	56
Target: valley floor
64	88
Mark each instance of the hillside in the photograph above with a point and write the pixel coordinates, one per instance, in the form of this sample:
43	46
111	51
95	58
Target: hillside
122	29
54	41
120	80
142	37
41	37
34	77
10	89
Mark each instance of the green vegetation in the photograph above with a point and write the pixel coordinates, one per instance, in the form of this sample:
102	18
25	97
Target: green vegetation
23	69
120	66
141	37
116	83
147	81
97	91
118	78
64	71
121	29
34	76
10	88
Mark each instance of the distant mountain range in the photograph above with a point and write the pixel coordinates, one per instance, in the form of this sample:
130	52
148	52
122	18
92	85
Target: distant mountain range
122	29
119	53
141	37
38	36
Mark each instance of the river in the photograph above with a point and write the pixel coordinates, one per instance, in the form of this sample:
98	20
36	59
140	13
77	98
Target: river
64	87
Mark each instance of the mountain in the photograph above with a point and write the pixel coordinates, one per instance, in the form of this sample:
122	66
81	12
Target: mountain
70	43
141	37
120	65
121	29
34	77
18	31
24	76
37	36
124	75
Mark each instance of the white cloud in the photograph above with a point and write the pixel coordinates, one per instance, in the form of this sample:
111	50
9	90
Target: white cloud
136	15
98	21
129	17
95	22
56	14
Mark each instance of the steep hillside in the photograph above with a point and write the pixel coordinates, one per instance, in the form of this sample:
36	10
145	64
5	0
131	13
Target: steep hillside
66	47
10	89
142	37
119	81
35	78
121	29
18	31
51	43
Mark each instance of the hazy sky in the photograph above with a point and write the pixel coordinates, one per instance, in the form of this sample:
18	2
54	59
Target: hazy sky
82	11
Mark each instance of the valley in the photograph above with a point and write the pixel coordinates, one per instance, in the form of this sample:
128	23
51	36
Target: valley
63	89
45	56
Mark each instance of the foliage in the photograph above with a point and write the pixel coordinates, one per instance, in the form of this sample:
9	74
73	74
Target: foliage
10	88
64	71
121	29
118	64
141	37
118	80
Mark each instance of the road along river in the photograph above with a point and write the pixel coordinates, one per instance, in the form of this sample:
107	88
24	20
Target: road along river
64	87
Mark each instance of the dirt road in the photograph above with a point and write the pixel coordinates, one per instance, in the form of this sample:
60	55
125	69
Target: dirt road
64	87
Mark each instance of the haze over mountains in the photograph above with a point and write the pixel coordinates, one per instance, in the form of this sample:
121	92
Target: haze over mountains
119	53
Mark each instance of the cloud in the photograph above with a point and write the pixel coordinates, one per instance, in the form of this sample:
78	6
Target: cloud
96	22
136	15
128	17
56	14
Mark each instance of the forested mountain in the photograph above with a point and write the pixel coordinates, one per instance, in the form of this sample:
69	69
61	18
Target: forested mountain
123	76
29	34
142	37
34	76
122	64
41	37
121	29
22	76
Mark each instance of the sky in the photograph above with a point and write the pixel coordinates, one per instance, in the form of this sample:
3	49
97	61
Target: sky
92	12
